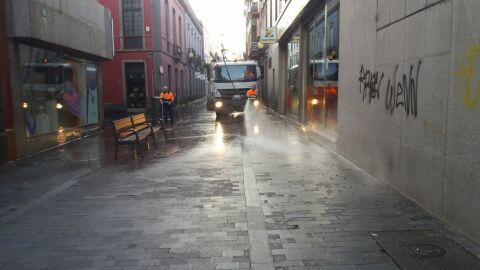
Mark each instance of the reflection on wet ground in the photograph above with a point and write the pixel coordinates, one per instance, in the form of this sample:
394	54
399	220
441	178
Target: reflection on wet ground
26	179
201	200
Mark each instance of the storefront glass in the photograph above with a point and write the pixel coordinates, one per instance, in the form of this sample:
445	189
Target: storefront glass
323	66
293	91
59	91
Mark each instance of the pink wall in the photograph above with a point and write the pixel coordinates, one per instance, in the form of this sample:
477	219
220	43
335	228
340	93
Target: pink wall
113	79
169	55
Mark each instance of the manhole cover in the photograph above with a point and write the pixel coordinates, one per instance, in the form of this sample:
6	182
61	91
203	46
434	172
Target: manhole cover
424	250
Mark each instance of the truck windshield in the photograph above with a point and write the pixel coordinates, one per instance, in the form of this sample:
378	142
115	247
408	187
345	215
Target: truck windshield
332	71
238	73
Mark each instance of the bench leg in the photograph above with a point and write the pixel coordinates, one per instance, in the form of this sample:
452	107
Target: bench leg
138	146
116	151
164	131
154	137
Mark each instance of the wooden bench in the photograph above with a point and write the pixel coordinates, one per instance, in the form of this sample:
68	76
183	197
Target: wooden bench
140	122
133	131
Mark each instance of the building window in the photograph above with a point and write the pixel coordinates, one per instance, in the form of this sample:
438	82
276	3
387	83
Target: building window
167	24
174	19
180	31
176	82
170	77
135	85
254	32
276	10
271	9
57	91
132	24
180	89
188	35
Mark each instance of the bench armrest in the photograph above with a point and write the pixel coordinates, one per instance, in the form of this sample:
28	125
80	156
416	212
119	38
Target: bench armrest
125	130
150	126
158	121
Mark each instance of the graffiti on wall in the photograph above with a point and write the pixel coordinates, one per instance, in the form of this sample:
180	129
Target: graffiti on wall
369	84
400	92
468	78
404	93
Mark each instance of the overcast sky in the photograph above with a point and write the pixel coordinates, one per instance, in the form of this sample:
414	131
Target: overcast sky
224	21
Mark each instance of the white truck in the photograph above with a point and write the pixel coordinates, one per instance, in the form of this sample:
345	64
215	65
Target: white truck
229	84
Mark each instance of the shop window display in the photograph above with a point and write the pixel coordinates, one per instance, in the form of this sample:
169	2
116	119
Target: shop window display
54	91
322	74
293	91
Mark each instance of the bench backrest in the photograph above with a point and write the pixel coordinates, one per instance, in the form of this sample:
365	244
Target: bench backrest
139	121
121	127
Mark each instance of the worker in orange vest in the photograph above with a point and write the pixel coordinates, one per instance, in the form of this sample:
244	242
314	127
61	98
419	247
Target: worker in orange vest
167	98
252	92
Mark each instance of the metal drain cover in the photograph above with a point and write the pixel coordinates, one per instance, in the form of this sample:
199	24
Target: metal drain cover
424	250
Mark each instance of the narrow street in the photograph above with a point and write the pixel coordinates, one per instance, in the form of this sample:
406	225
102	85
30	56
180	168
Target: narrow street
251	192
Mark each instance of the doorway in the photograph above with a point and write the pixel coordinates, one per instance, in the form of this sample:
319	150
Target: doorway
135	87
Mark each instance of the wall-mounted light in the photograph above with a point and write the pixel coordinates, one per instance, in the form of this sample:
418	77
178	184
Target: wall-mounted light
260	45
45	58
25	105
59	105
314	101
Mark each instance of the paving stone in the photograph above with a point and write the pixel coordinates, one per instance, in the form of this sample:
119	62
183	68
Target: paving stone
186	204
230	265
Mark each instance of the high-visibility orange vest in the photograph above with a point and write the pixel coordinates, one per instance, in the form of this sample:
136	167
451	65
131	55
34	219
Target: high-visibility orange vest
168	96
251	92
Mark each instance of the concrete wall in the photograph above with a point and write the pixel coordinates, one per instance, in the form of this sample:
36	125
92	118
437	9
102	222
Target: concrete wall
408	113
79	25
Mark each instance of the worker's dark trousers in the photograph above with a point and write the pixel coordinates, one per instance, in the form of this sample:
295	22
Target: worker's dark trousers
168	112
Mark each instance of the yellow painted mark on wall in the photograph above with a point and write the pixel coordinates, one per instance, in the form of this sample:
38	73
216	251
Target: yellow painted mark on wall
473	55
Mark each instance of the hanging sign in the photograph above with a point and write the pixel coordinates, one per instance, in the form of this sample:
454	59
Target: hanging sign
268	35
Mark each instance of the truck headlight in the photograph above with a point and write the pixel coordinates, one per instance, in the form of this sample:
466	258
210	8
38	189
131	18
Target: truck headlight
217	94
218	104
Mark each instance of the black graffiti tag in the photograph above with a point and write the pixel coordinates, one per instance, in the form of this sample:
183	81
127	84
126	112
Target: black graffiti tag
404	93
369	84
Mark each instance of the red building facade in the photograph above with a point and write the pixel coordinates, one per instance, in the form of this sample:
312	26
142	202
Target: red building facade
149	52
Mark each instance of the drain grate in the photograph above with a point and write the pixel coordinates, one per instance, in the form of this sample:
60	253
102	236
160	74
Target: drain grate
424	250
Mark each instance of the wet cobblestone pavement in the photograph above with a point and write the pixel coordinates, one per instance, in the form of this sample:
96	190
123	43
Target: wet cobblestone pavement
251	192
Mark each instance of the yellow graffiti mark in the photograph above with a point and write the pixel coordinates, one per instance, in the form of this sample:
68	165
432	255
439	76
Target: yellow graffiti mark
467	73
